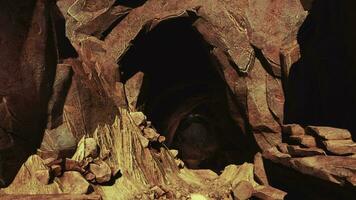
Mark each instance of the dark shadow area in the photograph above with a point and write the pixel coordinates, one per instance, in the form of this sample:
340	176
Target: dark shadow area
65	48
322	84
15	20
184	95
306	187
130	3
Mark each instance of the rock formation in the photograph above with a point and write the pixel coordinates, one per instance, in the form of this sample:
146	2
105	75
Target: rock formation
176	99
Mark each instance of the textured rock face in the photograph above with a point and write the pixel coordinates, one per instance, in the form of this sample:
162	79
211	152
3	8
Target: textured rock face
77	79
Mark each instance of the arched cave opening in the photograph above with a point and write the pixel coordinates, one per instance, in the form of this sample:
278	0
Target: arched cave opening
185	96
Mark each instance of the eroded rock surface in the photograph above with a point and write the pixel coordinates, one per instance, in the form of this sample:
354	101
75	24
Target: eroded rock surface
64	90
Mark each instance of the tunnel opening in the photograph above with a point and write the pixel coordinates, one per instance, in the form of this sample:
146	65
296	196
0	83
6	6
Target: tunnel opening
185	96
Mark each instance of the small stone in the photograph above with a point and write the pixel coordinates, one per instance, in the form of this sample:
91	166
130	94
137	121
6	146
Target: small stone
340	147
73	165
43	176
329	133
158	192
304	140
138	117
89	176
179	163
87	147
296	151
161	139
206	173
150	134
268	192
275	155
173	152
56	170
73	182
101	170
293	129
243	190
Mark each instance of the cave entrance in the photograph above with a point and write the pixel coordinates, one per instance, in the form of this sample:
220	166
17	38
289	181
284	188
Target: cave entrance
184	94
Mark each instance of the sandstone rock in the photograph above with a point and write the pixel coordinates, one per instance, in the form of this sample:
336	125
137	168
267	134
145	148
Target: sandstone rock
275	97
296	151
174	152
206	174
267	192
73	165
290	54
304	140
58	139
132	89
90	177
293	129
275	155
266	129
49	161
161	139
237	29
336	169
144	141
158	192
259	169
138	117
32	178
86	147
150	134
243	190
43	176
283	147
340	147
179	163
73	182
329	133
233	174
101	170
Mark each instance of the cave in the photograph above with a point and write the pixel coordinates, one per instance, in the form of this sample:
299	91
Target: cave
185	96
177	99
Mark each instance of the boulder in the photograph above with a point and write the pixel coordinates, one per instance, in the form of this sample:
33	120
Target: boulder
329	133
74	183
101	171
243	190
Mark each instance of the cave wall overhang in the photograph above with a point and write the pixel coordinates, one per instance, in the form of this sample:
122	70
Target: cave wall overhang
248	51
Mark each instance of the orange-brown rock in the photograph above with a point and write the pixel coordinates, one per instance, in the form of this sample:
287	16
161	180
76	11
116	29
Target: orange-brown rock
101	171
243	190
329	133
73	182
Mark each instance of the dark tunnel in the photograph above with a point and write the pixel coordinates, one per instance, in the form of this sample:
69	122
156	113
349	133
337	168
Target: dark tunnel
185	96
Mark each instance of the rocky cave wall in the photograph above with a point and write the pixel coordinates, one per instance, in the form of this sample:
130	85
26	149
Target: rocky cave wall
95	93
